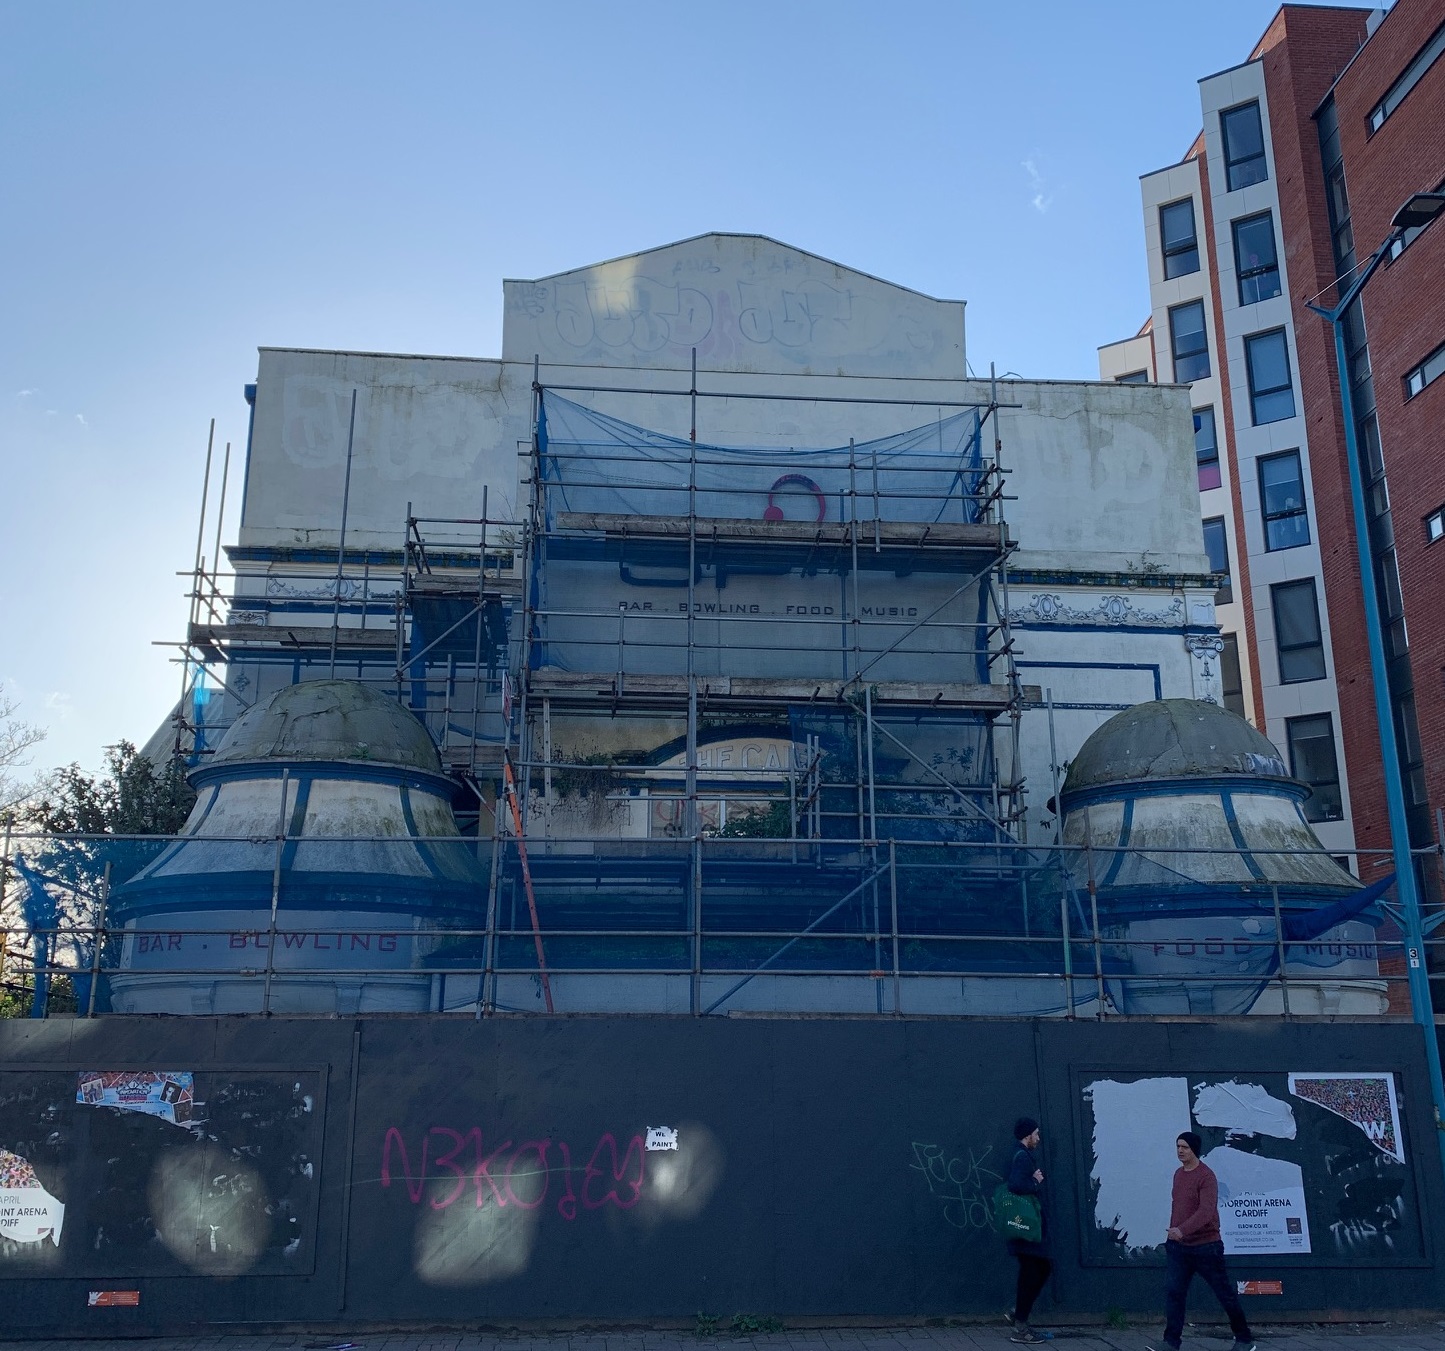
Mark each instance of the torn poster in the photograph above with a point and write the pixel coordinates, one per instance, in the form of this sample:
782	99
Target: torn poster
1243	1109
1261	1202
28	1213
1135	1126
168	1094
1367	1100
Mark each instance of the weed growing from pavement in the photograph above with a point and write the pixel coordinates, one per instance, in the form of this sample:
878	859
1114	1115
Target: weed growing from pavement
750	1324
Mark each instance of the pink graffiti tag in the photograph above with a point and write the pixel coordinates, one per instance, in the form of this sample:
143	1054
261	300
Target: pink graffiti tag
618	1174
498	1173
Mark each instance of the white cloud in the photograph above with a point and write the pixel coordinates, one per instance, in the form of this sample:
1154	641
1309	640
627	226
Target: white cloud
24	393
80	418
58	703
1042	198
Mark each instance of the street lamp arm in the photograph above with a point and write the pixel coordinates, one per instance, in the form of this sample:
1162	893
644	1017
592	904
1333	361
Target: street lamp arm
1352	291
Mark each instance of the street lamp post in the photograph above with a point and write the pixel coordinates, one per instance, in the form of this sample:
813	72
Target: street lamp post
1419	211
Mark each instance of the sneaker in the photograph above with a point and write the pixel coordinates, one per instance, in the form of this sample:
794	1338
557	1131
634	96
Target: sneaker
1026	1336
1244	1346
1160	1345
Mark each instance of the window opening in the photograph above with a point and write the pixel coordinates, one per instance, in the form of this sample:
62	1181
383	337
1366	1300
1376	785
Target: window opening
1282	501
1271	393
1244	160
1298	639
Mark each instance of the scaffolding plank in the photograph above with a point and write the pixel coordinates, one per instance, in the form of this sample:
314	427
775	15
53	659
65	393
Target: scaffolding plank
291	635
555	683
461	586
952	534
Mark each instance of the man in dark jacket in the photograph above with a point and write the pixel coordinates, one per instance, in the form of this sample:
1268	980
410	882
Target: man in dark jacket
1193	1246
1026	1178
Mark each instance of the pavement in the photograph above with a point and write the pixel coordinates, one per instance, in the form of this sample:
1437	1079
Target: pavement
1424	1336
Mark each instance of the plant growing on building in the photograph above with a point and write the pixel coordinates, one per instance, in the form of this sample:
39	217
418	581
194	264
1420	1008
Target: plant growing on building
587	775
773	822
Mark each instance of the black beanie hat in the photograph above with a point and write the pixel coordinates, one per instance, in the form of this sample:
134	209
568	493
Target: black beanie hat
1191	1138
1024	1127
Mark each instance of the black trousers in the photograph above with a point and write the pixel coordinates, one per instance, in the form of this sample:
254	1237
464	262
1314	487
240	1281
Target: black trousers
1033	1276
1205	1260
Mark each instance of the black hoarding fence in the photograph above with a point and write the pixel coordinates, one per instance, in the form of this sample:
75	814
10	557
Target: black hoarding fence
432	1170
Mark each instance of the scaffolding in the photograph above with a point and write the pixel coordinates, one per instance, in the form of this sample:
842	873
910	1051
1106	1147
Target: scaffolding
703	762
731	726
809	658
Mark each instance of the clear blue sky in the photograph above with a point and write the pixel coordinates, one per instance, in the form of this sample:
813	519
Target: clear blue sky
183	183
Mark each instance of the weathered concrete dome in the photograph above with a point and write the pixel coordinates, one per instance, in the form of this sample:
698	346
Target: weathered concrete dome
1169	740
328	721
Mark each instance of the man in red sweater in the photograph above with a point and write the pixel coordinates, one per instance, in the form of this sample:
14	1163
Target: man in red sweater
1193	1245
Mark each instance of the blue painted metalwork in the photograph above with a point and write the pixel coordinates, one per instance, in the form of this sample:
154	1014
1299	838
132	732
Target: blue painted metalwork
1407	891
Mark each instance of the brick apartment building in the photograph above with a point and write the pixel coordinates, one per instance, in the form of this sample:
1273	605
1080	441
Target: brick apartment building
1308	150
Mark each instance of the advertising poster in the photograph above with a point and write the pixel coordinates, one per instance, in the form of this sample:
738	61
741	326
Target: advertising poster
28	1213
168	1094
1366	1100
1261	1202
1311	1166
107	1175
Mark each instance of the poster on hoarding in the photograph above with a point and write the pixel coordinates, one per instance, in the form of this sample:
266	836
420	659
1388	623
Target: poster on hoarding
28	1213
103	1179
1366	1100
1311	1166
1261	1202
168	1094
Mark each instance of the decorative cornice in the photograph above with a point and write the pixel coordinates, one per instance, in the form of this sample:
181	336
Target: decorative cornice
1112	612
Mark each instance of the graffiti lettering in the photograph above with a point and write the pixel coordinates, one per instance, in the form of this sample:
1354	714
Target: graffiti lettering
413	1189
520	1177
618	1174
965	1188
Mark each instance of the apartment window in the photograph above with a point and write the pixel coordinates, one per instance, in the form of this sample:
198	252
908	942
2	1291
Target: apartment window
1282	501
1312	761
1230	676
1297	633
1342	236
1409	236
1255	261
1435	526
1133	378
1409	78
1179	238
1206	449
1427	372
1216	545
1244	161
1271	395
1392	599
1412	751
1188	342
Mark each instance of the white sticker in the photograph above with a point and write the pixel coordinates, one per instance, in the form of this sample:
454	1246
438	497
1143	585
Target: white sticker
662	1137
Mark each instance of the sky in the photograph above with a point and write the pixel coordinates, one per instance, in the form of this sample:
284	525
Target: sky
185	183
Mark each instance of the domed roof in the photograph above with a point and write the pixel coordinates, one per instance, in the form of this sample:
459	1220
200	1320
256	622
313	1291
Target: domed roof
1170	739
328	720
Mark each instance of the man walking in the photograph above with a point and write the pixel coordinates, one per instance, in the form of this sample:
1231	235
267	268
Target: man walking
1193	1247
1026	1178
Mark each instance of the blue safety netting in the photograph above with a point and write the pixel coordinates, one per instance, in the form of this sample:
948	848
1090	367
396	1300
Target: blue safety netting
592	462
